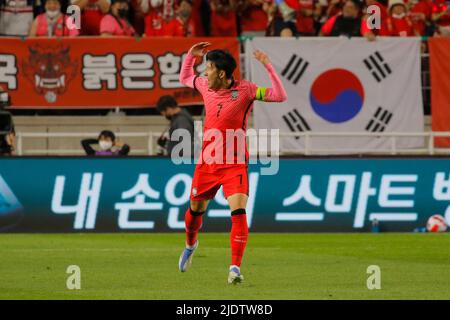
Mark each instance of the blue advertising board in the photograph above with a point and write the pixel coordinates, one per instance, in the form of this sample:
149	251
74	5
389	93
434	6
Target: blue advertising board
152	194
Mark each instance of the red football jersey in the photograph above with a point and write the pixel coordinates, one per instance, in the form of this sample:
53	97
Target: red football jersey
227	112
226	109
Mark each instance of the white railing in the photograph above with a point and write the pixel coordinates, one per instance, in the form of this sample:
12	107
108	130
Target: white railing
429	148
20	136
307	149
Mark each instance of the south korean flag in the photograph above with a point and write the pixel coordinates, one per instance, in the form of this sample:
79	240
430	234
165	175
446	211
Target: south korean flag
342	85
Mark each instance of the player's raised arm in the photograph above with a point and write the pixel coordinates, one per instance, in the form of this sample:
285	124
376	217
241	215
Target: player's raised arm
187	74
276	93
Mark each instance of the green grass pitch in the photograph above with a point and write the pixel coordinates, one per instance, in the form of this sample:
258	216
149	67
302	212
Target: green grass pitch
276	266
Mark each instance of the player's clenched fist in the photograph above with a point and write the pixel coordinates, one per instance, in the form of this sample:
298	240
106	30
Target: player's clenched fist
261	57
199	49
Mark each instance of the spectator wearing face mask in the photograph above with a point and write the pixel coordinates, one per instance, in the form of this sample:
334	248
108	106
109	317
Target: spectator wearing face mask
52	23
117	22
107	145
92	13
179	119
398	22
349	23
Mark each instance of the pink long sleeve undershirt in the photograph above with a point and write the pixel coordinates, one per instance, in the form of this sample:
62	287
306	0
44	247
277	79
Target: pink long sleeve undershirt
187	73
276	93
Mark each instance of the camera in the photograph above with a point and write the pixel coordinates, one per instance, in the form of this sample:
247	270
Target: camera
6	124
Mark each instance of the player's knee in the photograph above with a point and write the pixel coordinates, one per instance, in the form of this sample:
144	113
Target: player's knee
198	206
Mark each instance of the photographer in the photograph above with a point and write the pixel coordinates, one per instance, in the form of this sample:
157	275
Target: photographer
179	119
7	132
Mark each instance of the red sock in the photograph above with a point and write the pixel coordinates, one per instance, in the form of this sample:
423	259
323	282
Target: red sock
193	222
238	236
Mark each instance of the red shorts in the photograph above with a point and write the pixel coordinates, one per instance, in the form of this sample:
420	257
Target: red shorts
205	183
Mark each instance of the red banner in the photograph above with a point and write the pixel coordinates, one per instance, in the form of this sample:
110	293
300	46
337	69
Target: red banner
98	72
440	87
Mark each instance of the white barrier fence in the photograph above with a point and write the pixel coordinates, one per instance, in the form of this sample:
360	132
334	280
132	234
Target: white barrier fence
308	149
20	136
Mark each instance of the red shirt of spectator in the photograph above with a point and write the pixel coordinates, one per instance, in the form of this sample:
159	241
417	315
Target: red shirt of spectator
184	23
420	13
52	22
91	18
159	17
92	15
223	18
440	6
183	29
398	23
156	26
58	29
402	27
305	17
196	18
254	18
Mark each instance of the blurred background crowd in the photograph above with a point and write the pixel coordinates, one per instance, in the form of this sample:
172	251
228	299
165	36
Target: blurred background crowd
225	18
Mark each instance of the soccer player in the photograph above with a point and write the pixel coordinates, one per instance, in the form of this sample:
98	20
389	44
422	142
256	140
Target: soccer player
228	103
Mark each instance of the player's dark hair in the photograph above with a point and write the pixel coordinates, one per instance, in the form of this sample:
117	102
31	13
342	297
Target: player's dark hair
166	102
223	60
107	134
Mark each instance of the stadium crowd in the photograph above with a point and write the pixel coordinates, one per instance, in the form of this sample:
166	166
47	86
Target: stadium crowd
225	18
